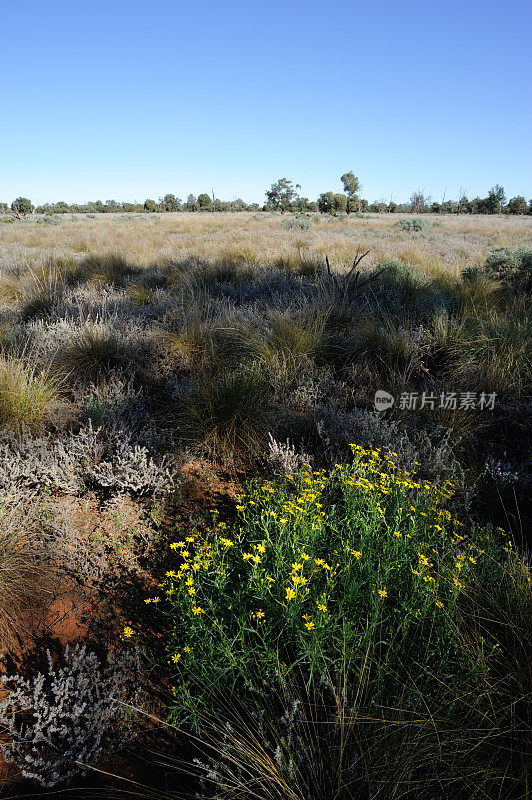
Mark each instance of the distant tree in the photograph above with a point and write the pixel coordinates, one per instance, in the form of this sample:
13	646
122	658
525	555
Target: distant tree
419	203
170	203
238	205
151	206
61	207
464	206
326	202
302	204
363	205
22	206
205	202
281	195
496	200
192	203
351	187
4	208
339	204
392	207
448	207
517	205
435	208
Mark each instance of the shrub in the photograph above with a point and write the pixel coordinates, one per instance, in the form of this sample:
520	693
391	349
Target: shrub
299	221
513	267
65	720
112	461
360	583
28	397
416	224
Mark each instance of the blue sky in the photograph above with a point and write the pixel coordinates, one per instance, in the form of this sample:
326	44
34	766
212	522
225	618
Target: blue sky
127	100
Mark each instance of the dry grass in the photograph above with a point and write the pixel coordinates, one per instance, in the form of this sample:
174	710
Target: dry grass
248	238
23	573
28	396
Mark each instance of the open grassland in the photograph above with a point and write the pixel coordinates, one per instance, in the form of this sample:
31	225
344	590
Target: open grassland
320	600
453	243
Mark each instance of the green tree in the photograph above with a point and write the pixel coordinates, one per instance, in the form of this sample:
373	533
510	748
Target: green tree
351	186
22	206
326	202
170	202
151	206
281	195
517	205
339	203
204	202
192	203
419	203
496	200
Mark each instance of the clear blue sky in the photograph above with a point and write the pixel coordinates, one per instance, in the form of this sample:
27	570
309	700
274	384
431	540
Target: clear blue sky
126	100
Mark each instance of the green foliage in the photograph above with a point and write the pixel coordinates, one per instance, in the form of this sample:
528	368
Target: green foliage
351	184
416	224
299	221
281	195
170	203
204	202
22	206
227	413
518	205
326	202
28	396
361	581
511	266
150	206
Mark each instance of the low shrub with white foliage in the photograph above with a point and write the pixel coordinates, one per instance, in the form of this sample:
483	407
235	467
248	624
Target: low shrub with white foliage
67	720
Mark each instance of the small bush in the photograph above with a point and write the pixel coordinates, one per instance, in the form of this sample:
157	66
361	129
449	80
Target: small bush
66	720
298	222
362	582
416	224
513	267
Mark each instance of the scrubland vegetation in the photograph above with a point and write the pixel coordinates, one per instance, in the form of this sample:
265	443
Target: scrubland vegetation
271	588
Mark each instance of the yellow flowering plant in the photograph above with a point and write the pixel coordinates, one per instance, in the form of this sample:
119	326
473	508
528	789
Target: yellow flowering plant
317	568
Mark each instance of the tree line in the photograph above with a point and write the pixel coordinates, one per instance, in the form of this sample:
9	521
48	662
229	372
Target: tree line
283	196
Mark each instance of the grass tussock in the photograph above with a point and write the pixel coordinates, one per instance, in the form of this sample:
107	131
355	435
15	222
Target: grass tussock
24	573
227	413
28	396
94	352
